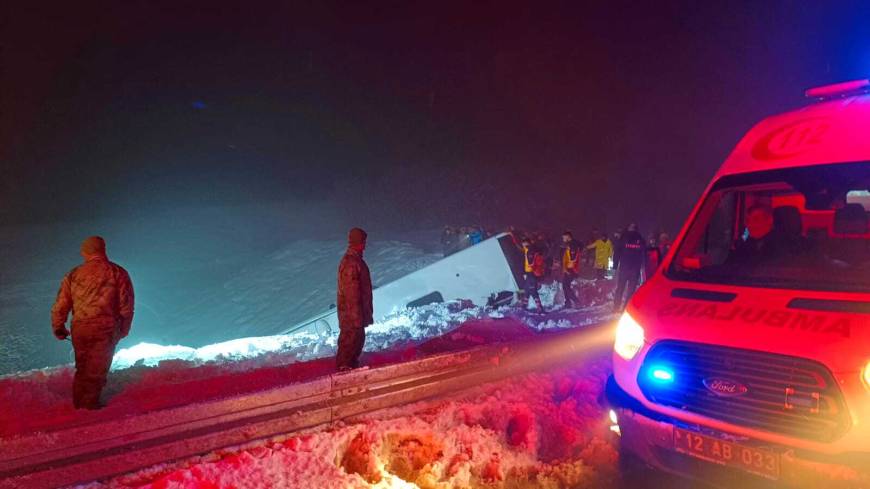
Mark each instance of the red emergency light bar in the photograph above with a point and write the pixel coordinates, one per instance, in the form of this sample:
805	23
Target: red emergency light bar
838	89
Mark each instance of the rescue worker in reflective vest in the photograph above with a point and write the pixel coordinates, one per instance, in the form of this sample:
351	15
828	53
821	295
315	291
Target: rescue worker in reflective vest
355	311
630	263
533	270
99	294
570	267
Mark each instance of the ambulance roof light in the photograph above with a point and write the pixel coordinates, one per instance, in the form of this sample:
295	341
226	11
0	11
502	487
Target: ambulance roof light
839	89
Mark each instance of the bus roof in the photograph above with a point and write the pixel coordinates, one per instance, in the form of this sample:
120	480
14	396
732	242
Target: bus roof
833	131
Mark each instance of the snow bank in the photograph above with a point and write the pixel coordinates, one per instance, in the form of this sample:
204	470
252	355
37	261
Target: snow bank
150	377
404	327
543	430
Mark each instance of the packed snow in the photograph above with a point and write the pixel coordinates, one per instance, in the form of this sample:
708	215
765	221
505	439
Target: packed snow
203	338
404	326
151	377
545	430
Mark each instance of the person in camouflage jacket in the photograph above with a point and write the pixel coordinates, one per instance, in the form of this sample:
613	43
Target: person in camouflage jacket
99	294
355	309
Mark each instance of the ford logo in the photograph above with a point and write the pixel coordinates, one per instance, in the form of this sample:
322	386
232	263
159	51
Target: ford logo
725	387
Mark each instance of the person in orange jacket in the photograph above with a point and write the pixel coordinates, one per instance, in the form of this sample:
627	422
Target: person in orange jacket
99	294
570	267
534	268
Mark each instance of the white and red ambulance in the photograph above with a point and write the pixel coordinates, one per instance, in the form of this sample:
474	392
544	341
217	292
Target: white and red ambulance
746	357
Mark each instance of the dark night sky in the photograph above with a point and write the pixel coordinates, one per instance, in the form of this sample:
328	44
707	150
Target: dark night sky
405	113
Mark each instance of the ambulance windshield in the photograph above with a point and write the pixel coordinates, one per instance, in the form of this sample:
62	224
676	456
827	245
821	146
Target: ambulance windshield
797	228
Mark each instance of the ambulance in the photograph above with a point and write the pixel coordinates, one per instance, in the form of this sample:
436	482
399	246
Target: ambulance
745	359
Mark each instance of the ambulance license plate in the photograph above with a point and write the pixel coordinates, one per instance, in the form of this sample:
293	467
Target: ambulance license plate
753	460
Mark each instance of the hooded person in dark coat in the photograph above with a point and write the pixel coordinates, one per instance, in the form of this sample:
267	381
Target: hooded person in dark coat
617	247
355	311
99	294
631	259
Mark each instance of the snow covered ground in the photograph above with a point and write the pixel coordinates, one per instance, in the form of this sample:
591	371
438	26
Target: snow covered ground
201	332
545	430
150	378
201	275
403	327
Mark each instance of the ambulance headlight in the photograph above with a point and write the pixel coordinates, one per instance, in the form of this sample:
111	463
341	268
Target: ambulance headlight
629	337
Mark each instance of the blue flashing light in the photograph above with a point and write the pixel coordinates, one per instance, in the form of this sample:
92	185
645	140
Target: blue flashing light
662	375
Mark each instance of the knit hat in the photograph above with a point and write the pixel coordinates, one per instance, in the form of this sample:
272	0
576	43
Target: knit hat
94	245
356	236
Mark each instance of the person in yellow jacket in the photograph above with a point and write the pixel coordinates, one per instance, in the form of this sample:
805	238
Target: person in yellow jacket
603	253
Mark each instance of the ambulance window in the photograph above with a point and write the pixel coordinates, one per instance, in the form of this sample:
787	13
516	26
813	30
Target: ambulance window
719	235
799	228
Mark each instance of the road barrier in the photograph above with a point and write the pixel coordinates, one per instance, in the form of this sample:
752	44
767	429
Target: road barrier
105	449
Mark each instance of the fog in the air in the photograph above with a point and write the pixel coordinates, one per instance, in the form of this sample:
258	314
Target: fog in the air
209	144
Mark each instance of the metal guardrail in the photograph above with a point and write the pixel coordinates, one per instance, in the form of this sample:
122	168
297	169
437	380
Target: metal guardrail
105	449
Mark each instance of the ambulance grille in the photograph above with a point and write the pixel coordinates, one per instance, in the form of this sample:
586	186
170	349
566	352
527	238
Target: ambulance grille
776	393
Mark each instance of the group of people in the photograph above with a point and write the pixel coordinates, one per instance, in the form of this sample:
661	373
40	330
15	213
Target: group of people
455	239
632	258
99	294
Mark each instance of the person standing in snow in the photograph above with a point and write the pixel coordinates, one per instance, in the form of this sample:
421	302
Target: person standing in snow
631	261
533	270
602	253
100	295
570	267
355	311
515	237
449	240
544	246
653	257
463	239
617	247
475	235
664	244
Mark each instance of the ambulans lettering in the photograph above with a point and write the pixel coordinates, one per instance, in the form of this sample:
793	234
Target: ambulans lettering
790	320
777	319
808	323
